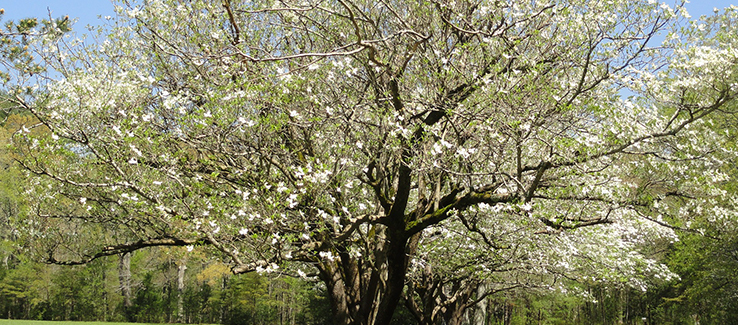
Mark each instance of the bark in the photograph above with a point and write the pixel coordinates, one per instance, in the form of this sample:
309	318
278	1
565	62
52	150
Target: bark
180	292
368	292
105	296
479	314
434	301
124	276
508	310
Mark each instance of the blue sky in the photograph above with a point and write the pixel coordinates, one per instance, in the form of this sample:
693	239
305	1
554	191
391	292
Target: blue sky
87	11
90	12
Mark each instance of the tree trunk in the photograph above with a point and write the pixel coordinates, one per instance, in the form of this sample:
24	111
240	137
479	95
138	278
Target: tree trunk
368	292
124	276
180	292
479	313
104	295
507	318
432	301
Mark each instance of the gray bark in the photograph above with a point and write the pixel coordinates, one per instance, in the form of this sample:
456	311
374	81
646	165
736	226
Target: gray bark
480	310
180	292
124	277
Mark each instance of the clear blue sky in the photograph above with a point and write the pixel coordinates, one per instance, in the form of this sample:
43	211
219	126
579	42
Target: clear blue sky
87	11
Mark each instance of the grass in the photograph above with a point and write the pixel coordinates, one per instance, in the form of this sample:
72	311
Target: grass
45	322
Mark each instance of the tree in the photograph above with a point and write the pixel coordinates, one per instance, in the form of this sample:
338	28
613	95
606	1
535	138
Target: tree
336	138
705	258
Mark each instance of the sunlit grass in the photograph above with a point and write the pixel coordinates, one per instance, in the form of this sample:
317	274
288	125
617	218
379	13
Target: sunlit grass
43	322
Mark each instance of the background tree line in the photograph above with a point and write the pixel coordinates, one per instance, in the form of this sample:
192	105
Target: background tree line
92	292
211	295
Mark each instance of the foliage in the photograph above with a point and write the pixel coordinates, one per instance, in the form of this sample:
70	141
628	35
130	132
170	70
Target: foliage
92	293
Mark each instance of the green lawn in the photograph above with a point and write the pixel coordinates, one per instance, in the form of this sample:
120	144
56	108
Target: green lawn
44	322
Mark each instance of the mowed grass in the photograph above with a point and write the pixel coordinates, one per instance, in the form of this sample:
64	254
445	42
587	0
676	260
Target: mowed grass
44	322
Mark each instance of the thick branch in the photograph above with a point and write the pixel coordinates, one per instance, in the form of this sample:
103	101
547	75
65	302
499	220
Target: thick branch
459	204
127	248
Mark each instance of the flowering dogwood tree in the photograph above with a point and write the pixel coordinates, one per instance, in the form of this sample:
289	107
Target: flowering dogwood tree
362	141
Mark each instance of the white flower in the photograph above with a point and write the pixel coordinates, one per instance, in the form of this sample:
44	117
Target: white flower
245	122
273	267
134	12
437	149
135	150
281	188
291	201
327	255
446	144
463	153
243	231
526	207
